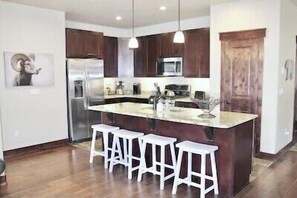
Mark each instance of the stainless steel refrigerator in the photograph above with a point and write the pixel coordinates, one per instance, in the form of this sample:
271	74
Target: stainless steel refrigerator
85	87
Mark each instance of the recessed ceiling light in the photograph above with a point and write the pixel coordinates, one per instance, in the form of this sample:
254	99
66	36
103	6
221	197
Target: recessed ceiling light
118	18
162	8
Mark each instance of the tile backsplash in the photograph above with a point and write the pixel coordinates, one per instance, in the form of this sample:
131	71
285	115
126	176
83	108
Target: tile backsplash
147	84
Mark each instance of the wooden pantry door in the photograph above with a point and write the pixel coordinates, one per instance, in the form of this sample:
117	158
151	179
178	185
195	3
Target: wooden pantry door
241	75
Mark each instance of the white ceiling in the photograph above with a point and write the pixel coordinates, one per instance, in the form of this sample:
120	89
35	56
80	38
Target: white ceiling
103	12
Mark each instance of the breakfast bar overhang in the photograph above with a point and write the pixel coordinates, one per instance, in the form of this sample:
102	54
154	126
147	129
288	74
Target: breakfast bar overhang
232	132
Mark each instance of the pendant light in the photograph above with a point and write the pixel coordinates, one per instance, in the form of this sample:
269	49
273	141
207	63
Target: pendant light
133	43
179	36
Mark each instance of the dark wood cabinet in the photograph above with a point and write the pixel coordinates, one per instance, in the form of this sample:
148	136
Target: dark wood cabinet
110	56
126	99
167	47
141	57
153	53
186	104
83	44
196	53
145	56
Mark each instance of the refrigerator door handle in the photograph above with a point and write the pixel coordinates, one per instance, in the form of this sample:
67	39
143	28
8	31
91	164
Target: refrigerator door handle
85	94
87	90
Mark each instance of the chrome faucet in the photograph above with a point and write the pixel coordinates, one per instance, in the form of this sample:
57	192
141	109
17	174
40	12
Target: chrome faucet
157	97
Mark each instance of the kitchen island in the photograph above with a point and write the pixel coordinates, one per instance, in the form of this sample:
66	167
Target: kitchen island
231	132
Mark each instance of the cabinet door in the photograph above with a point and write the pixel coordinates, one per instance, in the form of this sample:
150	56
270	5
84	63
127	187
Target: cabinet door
177	49
191	55
204	51
153	52
165	45
83	44
168	48
93	44
110	56
140	58
196	53
74	40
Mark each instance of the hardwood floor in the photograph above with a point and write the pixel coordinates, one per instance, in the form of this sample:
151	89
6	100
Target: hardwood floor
65	172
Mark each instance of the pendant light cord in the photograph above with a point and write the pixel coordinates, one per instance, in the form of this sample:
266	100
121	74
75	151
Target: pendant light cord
132	18
178	15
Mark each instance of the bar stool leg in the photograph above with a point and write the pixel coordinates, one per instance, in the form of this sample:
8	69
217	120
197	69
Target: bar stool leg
214	173
125	152
177	171
154	158
119	149
202	179
129	156
189	177
173	157
142	161
105	142
162	167
93	146
112	153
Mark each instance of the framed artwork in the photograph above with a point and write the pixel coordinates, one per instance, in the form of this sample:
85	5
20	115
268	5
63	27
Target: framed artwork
28	69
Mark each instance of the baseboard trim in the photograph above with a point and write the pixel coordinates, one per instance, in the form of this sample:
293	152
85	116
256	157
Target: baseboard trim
29	149
273	157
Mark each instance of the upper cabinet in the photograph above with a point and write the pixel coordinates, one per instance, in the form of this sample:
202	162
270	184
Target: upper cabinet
196	53
110	56
167	47
83	44
145	56
141	57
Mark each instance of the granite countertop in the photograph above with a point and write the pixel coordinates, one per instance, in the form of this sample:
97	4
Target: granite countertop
145	95
176	114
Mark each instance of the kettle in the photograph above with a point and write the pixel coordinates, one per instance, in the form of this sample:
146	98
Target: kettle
120	88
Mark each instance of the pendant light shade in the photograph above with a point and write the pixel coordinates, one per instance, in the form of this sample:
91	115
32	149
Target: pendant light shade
133	43
179	36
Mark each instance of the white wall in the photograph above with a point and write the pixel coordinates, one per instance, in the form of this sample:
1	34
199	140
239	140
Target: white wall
245	15
285	110
33	115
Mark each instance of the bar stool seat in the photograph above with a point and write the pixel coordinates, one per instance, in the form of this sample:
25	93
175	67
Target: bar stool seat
162	141
129	136
203	150
105	130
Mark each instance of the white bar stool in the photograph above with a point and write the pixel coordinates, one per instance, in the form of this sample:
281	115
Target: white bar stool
105	130
162	142
129	136
203	150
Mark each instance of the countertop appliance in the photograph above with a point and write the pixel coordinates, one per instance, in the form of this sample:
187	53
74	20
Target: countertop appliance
169	66
180	91
199	95
136	88
85	87
120	88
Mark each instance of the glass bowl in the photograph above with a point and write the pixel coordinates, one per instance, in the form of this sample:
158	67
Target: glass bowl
206	105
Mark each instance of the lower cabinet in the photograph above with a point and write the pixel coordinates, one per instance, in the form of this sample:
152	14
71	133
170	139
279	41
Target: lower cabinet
126	99
186	104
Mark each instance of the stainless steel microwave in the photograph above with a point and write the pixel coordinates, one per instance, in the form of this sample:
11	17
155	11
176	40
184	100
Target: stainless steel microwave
169	66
